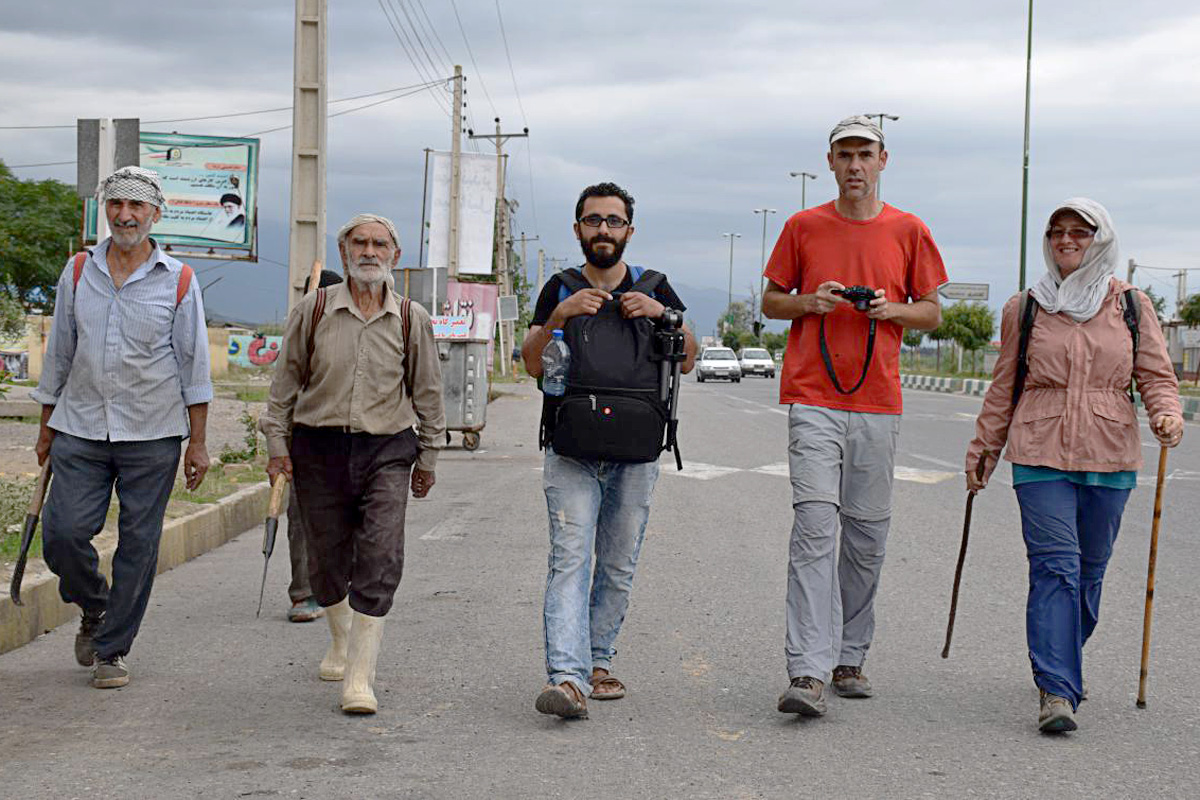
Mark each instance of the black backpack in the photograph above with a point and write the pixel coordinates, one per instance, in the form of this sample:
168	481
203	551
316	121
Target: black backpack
613	409
1027	310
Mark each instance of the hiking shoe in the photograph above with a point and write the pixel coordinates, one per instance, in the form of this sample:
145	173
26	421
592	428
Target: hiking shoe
85	651
305	610
803	697
1055	714
109	672
850	682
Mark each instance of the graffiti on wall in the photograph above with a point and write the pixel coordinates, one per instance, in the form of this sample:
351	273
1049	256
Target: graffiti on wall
254	351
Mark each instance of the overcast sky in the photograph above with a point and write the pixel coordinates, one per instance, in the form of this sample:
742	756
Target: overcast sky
700	109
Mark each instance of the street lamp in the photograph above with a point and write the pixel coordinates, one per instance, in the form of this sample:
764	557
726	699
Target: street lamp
761	275
804	179
1025	162
882	117
731	236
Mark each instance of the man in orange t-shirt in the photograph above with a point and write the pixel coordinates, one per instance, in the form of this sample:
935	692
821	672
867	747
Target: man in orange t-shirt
841	379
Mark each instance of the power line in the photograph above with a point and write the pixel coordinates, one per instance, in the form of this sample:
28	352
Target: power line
419	35
235	113
508	55
471	54
409	50
433	30
260	133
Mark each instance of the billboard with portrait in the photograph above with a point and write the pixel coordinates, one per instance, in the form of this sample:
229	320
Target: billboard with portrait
211	187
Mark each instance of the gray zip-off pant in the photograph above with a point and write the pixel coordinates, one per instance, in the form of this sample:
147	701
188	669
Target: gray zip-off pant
841	465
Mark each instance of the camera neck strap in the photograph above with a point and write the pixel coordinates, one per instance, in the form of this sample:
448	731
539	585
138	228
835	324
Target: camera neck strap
829	361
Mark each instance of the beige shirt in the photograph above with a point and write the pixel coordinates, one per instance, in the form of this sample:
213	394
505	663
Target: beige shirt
1074	413
356	381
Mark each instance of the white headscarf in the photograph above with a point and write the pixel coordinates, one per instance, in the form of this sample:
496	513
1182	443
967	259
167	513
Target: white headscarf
1081	293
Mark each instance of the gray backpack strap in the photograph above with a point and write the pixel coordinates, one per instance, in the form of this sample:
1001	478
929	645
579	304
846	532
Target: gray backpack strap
1026	311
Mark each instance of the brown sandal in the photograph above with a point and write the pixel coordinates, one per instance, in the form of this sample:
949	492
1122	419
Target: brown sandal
562	700
606	687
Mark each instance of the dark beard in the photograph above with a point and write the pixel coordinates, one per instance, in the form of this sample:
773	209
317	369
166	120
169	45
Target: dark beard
602	260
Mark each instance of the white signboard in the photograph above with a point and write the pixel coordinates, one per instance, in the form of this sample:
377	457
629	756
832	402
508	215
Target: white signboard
507	306
448	327
476	214
964	291
1189	337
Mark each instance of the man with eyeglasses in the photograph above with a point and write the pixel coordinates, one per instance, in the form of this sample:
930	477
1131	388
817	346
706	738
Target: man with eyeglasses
597	508
851	275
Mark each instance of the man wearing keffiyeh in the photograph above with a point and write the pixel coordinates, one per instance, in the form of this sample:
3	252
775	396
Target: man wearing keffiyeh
126	379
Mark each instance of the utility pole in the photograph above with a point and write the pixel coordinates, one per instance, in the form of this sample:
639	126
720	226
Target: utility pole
1181	292
306	237
1025	164
804	177
761	275
732	236
541	273
881	117
501	217
455	176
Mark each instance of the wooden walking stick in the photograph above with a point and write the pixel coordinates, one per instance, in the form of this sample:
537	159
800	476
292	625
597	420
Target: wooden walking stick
962	554
1158	496
270	528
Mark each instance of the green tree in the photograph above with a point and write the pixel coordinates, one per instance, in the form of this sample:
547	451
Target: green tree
1160	304
736	321
913	339
38	220
1190	313
775	342
970	325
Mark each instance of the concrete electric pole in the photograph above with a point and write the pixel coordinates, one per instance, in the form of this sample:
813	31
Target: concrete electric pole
306	240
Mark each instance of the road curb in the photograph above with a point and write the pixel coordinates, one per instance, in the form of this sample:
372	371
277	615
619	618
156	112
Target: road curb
182	540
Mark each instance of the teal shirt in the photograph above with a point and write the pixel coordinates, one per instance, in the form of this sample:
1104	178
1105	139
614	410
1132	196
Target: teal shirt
1126	479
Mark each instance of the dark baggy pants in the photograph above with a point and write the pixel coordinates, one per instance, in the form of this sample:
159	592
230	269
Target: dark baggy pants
85	472
353	492
298	589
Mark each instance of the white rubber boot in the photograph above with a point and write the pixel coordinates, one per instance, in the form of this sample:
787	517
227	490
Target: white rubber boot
358	697
333	665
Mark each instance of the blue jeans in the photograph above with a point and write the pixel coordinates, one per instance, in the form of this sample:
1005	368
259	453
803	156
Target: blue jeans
598	507
1069	534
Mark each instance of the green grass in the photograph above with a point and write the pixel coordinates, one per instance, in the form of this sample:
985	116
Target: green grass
14	503
252	394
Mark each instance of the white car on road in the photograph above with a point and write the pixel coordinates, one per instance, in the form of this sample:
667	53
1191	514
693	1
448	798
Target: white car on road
756	361
718	362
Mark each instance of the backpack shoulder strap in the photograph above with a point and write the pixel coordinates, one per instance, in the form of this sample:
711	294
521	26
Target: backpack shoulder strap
1131	313
77	267
311	343
1027	310
646	281
571	281
185	280
405	326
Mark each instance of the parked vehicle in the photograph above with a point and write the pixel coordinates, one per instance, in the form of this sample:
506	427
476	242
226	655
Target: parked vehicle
718	362
756	361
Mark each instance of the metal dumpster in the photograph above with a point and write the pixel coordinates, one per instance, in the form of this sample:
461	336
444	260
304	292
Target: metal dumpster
464	387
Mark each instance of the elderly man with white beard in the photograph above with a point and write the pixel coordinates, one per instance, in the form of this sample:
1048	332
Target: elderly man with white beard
358	370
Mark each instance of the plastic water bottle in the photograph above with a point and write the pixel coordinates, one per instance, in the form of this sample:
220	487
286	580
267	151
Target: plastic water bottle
556	358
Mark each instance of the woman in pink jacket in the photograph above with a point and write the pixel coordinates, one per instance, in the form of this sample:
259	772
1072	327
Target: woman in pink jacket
1073	437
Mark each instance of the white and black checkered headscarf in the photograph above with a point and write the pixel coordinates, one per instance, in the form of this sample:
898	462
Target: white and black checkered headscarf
133	183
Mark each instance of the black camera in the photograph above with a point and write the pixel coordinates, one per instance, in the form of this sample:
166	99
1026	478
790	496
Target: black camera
861	296
671	320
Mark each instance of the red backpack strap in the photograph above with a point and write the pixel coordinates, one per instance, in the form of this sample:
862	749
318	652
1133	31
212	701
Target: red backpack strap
185	280
80	260
311	345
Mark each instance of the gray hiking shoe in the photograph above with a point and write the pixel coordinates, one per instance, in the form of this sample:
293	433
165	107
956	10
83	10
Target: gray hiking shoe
850	682
803	697
1055	714
85	651
110	673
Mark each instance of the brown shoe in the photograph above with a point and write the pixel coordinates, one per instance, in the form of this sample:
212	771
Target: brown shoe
850	682
1055	714
803	697
605	686
562	700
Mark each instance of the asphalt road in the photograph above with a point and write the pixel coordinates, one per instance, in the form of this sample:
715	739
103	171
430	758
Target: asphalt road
224	705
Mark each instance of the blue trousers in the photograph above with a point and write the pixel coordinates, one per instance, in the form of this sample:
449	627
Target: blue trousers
1069	534
85	472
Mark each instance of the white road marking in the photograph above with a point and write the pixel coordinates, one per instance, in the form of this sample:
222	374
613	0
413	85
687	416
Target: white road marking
938	461
781	470
703	472
921	475
446	530
775	409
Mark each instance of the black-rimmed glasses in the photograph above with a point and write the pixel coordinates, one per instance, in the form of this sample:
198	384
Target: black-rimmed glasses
612	221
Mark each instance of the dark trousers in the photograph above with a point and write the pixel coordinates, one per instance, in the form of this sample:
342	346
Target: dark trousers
85	472
1069	535
353	493
298	589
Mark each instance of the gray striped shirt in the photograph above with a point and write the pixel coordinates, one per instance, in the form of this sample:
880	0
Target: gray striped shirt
123	364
